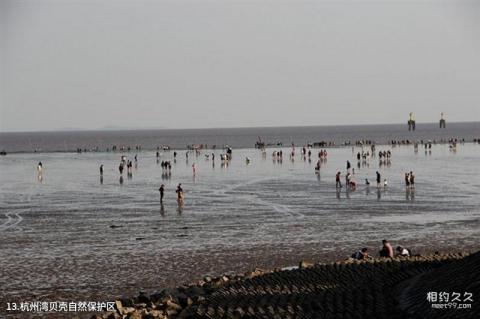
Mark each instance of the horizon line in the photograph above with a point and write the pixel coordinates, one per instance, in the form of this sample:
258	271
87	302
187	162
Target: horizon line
106	129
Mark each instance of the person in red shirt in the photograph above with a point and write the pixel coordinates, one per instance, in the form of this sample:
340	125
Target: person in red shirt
337	180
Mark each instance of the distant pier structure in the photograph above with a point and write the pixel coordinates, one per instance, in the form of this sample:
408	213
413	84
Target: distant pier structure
443	123
411	122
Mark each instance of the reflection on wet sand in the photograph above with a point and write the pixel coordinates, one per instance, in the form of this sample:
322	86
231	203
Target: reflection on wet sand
234	214
410	194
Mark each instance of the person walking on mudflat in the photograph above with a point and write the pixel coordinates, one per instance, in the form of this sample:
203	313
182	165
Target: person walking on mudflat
412	180
338	183
161	190
179	192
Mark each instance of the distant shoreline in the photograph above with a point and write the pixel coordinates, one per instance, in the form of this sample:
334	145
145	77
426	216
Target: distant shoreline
237	138
211	149
126	129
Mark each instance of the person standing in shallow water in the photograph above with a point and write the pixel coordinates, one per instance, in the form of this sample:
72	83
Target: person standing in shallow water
101	170
379	179
161	190
179	192
40	171
412	180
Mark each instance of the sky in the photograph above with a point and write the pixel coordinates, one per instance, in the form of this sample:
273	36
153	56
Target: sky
98	64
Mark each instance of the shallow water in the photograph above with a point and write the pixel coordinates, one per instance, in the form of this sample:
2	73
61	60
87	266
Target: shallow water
65	141
56	234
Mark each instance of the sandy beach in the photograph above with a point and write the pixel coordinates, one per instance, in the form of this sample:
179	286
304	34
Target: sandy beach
72	237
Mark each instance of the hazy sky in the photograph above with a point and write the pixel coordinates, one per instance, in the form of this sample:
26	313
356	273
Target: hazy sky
186	64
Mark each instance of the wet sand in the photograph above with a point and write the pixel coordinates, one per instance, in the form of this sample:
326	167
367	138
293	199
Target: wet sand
58	242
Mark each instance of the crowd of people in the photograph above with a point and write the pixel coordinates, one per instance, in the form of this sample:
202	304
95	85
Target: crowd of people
350	182
364	156
277	155
386	251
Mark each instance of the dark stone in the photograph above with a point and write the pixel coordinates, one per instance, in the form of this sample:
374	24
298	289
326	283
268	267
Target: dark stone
127	302
164	295
194	291
142	298
184	301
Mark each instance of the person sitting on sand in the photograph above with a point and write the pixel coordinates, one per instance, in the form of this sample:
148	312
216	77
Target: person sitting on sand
387	250
403	251
361	254
352	184
367	182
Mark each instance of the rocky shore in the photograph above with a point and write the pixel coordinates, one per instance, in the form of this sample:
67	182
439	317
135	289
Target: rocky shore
377	288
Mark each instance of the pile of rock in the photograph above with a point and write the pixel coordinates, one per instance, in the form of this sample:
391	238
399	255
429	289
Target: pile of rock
174	302
347	289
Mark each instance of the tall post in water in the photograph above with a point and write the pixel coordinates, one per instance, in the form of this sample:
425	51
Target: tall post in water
443	123
411	122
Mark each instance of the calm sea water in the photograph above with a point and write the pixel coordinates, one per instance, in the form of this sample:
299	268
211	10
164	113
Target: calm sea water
237	138
56	235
